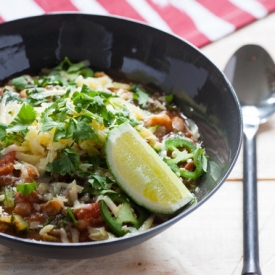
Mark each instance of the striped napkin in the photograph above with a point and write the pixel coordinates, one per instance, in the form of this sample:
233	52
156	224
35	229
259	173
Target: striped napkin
198	21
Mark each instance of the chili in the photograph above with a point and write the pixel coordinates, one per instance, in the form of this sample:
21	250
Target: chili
129	214
184	150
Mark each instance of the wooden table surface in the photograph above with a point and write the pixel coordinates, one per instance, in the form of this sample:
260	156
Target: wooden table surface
208	242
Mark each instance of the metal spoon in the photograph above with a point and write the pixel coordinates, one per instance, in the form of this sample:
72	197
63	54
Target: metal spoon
251	72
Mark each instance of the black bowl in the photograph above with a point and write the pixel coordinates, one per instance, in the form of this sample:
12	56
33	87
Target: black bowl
141	54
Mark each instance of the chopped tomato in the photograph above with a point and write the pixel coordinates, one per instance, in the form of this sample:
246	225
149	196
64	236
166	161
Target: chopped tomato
7	158
88	216
93	211
6	163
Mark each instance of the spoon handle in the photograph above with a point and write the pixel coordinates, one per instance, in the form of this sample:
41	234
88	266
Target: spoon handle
250	215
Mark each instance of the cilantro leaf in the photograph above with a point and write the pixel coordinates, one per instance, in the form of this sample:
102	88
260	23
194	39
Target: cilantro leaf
67	163
34	97
9	138
67	65
87	72
98	185
24	118
48	123
56	116
84	131
19	82
11	96
26	188
60	132
93	102
97	106
169	98
3	128
140	95
50	80
73	69
76	67
65	130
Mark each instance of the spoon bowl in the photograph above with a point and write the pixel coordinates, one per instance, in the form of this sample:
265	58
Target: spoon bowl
251	71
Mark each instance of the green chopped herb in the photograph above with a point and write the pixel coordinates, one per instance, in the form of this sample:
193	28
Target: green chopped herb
24	118
19	82
26	188
73	69
99	185
3	129
71	214
67	163
84	131
140	95
169	98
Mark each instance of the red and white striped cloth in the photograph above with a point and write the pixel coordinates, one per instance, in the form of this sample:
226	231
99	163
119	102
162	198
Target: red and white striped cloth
198	21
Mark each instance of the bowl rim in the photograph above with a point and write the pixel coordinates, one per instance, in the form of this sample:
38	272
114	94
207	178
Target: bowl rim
159	228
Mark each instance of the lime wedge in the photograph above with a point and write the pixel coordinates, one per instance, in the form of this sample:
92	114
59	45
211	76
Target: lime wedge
142	174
